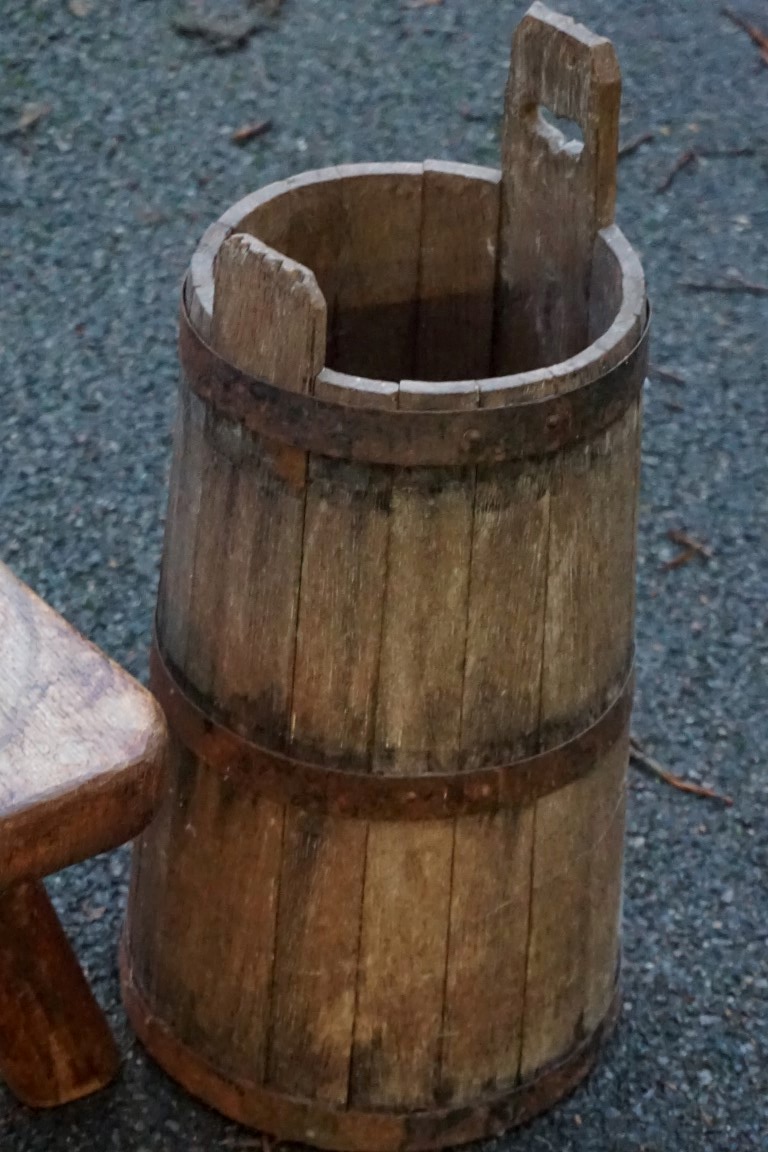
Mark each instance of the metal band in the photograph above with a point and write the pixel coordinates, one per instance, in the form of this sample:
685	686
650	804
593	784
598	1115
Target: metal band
533	428
370	796
311	1122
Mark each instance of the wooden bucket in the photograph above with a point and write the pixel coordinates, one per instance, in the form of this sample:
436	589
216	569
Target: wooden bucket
380	906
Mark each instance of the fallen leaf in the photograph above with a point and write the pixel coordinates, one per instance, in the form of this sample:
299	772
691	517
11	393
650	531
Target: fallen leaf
31	114
224	34
93	912
424	3
80	8
250	131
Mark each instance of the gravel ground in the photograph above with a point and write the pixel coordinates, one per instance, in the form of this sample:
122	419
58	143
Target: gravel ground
101	204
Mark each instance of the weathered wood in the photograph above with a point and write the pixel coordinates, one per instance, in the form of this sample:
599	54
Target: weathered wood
82	747
556	193
334	697
279	334
206	872
422	658
485	978
500	715
617	300
587	652
457	270
608	807
408	877
402	965
240	640
406	906
81	744
303	1121
376	307
181	525
55	1045
577	865
407	978
313	1005
339	630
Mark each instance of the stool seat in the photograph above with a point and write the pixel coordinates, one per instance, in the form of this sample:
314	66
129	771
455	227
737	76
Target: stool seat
81	743
82	748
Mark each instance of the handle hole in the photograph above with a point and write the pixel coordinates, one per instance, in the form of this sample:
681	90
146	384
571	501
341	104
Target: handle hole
561	133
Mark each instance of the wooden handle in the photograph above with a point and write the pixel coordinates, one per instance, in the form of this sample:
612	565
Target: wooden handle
55	1045
557	193
561	67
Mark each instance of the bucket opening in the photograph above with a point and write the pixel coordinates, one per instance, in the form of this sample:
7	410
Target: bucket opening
405	256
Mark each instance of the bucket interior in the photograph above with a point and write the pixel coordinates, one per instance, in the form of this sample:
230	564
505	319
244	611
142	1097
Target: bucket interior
412	293
406	257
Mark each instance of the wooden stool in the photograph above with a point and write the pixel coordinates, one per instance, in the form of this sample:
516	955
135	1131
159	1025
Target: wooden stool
81	751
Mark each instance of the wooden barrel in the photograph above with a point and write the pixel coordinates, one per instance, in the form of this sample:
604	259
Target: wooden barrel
380	907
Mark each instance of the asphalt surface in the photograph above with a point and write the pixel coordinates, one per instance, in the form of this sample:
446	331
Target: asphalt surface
101	204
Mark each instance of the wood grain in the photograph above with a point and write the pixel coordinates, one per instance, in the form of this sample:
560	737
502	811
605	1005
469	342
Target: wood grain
422	656
55	1045
260	293
457	272
82	751
375	312
609	788
334	694
239	624
301	216
402	965
339	631
407	900
399	621
82	745
556	194
587	652
222	879
485	979
181	526
316	959
488	943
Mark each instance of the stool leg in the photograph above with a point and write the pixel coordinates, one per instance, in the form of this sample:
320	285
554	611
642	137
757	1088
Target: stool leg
55	1045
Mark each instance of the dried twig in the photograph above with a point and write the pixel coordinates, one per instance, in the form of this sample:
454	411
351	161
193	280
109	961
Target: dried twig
262	1141
691	155
682	161
635	143
644	760
665	374
756	35
678	561
423	3
735	284
685	540
241	1142
746	150
691	547
250	131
